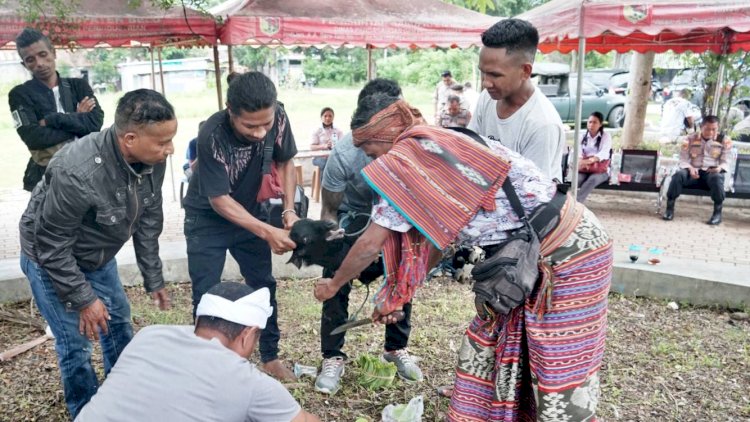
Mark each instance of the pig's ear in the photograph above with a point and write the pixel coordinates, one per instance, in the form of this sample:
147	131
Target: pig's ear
335	234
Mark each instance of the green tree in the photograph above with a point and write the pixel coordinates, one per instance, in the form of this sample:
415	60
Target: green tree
506	8
423	67
342	66
736	69
596	60
104	62
253	58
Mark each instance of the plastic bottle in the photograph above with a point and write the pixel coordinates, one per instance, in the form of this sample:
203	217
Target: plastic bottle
615	168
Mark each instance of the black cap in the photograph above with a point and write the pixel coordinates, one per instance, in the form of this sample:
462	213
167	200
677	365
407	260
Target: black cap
446	73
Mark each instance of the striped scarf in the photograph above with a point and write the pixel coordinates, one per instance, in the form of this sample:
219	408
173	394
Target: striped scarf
388	124
438	180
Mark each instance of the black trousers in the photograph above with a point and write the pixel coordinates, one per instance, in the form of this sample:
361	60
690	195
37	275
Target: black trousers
713	182
336	312
208	240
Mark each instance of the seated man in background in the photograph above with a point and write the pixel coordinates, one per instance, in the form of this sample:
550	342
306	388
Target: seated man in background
704	158
454	115
201	373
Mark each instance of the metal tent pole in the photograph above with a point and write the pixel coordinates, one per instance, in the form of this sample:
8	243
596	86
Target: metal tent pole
164	93
579	105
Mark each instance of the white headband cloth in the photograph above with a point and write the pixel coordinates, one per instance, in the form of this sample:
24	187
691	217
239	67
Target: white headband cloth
252	310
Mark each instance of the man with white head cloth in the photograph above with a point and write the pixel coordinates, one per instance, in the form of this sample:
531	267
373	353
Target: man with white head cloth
171	372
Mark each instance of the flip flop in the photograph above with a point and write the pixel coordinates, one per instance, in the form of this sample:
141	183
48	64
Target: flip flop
445	391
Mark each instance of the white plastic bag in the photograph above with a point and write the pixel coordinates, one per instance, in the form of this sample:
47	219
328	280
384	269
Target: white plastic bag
411	412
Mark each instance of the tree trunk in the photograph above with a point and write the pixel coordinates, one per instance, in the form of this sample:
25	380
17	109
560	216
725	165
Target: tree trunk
640	92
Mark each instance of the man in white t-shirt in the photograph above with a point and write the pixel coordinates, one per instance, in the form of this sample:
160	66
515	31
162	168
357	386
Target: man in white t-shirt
171	372
511	109
677	116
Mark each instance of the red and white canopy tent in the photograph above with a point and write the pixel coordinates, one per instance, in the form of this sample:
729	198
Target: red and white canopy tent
107	23
356	23
721	26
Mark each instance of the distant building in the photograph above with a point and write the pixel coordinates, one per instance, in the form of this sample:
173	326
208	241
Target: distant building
180	75
13	72
289	71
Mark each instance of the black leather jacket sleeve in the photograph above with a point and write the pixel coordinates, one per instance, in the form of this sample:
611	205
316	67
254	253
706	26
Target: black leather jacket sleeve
146	239
80	124
35	137
65	203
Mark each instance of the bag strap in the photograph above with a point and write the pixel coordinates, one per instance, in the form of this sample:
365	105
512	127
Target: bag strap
510	191
271	140
470	133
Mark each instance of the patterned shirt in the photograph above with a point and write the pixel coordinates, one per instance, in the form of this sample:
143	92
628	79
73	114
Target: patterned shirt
488	227
229	165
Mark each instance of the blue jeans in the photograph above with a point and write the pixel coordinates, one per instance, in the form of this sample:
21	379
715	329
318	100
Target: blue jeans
208	240
73	349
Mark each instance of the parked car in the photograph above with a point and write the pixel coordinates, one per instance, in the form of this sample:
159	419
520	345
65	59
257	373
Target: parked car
602	77
618	84
559	86
692	79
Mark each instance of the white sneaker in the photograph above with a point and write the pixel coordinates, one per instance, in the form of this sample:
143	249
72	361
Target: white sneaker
330	375
406	366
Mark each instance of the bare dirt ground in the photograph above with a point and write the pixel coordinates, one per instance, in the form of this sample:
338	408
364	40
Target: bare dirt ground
661	364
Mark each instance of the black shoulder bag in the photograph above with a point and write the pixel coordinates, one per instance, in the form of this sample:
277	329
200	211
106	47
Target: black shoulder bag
508	274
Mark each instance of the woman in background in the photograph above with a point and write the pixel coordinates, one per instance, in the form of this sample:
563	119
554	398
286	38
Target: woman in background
595	148
324	137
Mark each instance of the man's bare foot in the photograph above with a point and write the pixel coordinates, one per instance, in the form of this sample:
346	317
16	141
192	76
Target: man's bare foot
278	370
445	391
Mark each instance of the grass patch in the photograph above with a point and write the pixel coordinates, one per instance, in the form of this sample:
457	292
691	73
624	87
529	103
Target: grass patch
660	364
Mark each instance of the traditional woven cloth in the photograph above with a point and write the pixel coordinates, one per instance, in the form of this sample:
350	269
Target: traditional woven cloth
439	180
388	124
523	367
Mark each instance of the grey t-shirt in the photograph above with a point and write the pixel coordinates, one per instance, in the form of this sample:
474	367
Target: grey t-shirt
535	130
343	173
167	373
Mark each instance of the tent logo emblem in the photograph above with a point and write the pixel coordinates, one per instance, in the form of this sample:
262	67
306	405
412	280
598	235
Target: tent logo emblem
270	26
636	13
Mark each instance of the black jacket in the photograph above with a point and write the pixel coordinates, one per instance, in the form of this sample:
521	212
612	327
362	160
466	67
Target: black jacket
90	203
33	101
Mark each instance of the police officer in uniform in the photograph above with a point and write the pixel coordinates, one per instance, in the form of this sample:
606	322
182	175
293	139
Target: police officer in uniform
704	158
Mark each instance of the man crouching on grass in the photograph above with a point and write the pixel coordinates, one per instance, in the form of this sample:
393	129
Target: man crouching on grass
172	372
95	195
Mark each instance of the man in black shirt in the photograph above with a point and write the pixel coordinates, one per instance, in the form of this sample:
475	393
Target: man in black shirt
222	208
49	111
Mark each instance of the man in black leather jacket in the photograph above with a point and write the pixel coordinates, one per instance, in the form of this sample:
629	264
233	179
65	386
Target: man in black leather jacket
96	194
49	111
